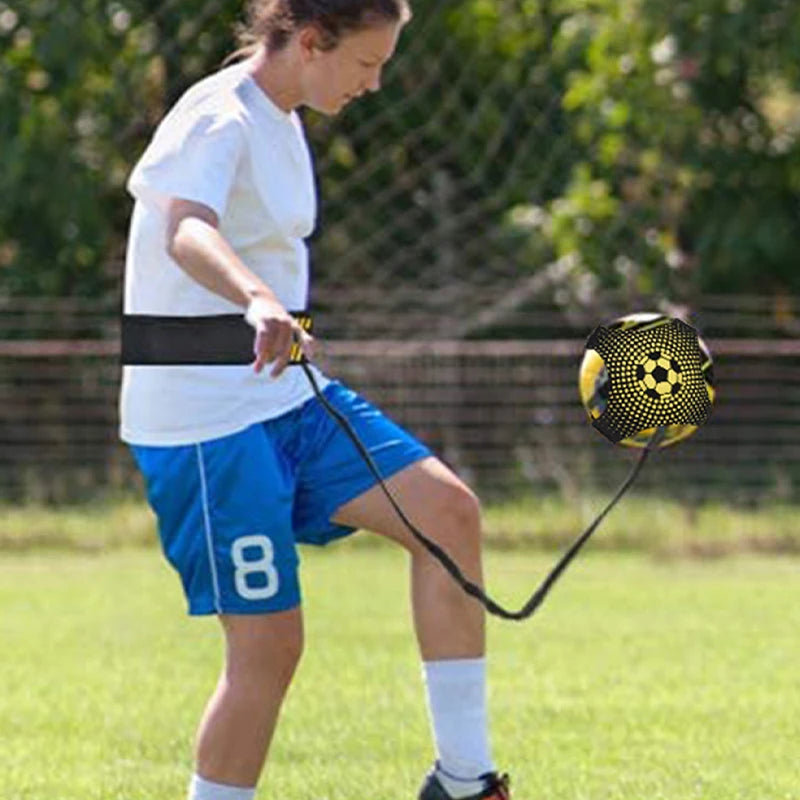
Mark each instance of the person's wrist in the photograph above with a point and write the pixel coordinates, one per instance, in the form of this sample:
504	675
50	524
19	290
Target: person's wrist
257	310
258	293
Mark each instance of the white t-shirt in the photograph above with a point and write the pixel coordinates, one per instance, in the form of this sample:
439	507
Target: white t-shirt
227	146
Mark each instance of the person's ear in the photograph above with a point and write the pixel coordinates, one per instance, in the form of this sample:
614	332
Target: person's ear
309	38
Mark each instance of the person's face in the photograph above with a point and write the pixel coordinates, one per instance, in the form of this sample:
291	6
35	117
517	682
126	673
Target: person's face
333	78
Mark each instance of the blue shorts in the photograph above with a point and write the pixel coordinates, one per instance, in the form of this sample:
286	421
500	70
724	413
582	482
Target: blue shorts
231	510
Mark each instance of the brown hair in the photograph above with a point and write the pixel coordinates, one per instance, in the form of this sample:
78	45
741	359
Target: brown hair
273	22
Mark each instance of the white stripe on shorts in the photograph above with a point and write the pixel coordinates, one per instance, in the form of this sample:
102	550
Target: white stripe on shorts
207	523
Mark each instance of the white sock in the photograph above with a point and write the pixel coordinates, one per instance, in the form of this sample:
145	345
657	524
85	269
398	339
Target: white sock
201	789
459	719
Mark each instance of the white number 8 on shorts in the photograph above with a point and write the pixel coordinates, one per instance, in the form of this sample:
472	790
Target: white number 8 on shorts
261	564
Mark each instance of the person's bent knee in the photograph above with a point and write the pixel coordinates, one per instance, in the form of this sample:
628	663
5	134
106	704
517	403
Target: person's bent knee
466	509
458	520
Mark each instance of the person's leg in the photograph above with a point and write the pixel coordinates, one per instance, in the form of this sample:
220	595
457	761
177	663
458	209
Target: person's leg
225	519
338	493
449	624
235	732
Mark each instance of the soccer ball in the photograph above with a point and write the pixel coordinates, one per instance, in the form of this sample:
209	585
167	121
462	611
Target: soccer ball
657	381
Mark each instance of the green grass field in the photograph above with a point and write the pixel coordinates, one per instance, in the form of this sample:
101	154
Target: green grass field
644	524
641	678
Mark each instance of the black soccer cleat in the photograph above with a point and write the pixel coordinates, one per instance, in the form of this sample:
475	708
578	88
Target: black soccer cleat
497	788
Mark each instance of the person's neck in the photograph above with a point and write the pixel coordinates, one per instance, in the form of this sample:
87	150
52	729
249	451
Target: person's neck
277	78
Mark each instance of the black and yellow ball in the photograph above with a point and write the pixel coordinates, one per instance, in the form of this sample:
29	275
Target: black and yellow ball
658	375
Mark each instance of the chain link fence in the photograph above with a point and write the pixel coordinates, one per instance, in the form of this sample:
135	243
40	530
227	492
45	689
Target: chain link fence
529	170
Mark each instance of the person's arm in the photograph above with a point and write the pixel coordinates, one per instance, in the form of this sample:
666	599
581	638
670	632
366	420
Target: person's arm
196	245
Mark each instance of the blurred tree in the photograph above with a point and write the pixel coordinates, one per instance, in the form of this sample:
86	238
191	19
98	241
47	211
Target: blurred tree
82	83
641	144
689	119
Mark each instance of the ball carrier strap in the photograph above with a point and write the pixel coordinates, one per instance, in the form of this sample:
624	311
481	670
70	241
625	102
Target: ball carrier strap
219	339
228	339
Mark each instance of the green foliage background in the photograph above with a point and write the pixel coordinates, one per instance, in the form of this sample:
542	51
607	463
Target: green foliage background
642	144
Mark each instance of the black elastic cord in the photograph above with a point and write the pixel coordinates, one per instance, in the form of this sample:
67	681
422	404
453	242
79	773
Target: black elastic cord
472	589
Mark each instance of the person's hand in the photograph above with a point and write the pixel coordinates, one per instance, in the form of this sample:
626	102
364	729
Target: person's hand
276	332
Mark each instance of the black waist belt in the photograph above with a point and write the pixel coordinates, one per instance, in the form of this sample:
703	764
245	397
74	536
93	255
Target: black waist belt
218	339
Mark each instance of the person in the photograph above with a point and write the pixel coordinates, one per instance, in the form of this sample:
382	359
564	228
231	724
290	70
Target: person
241	462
